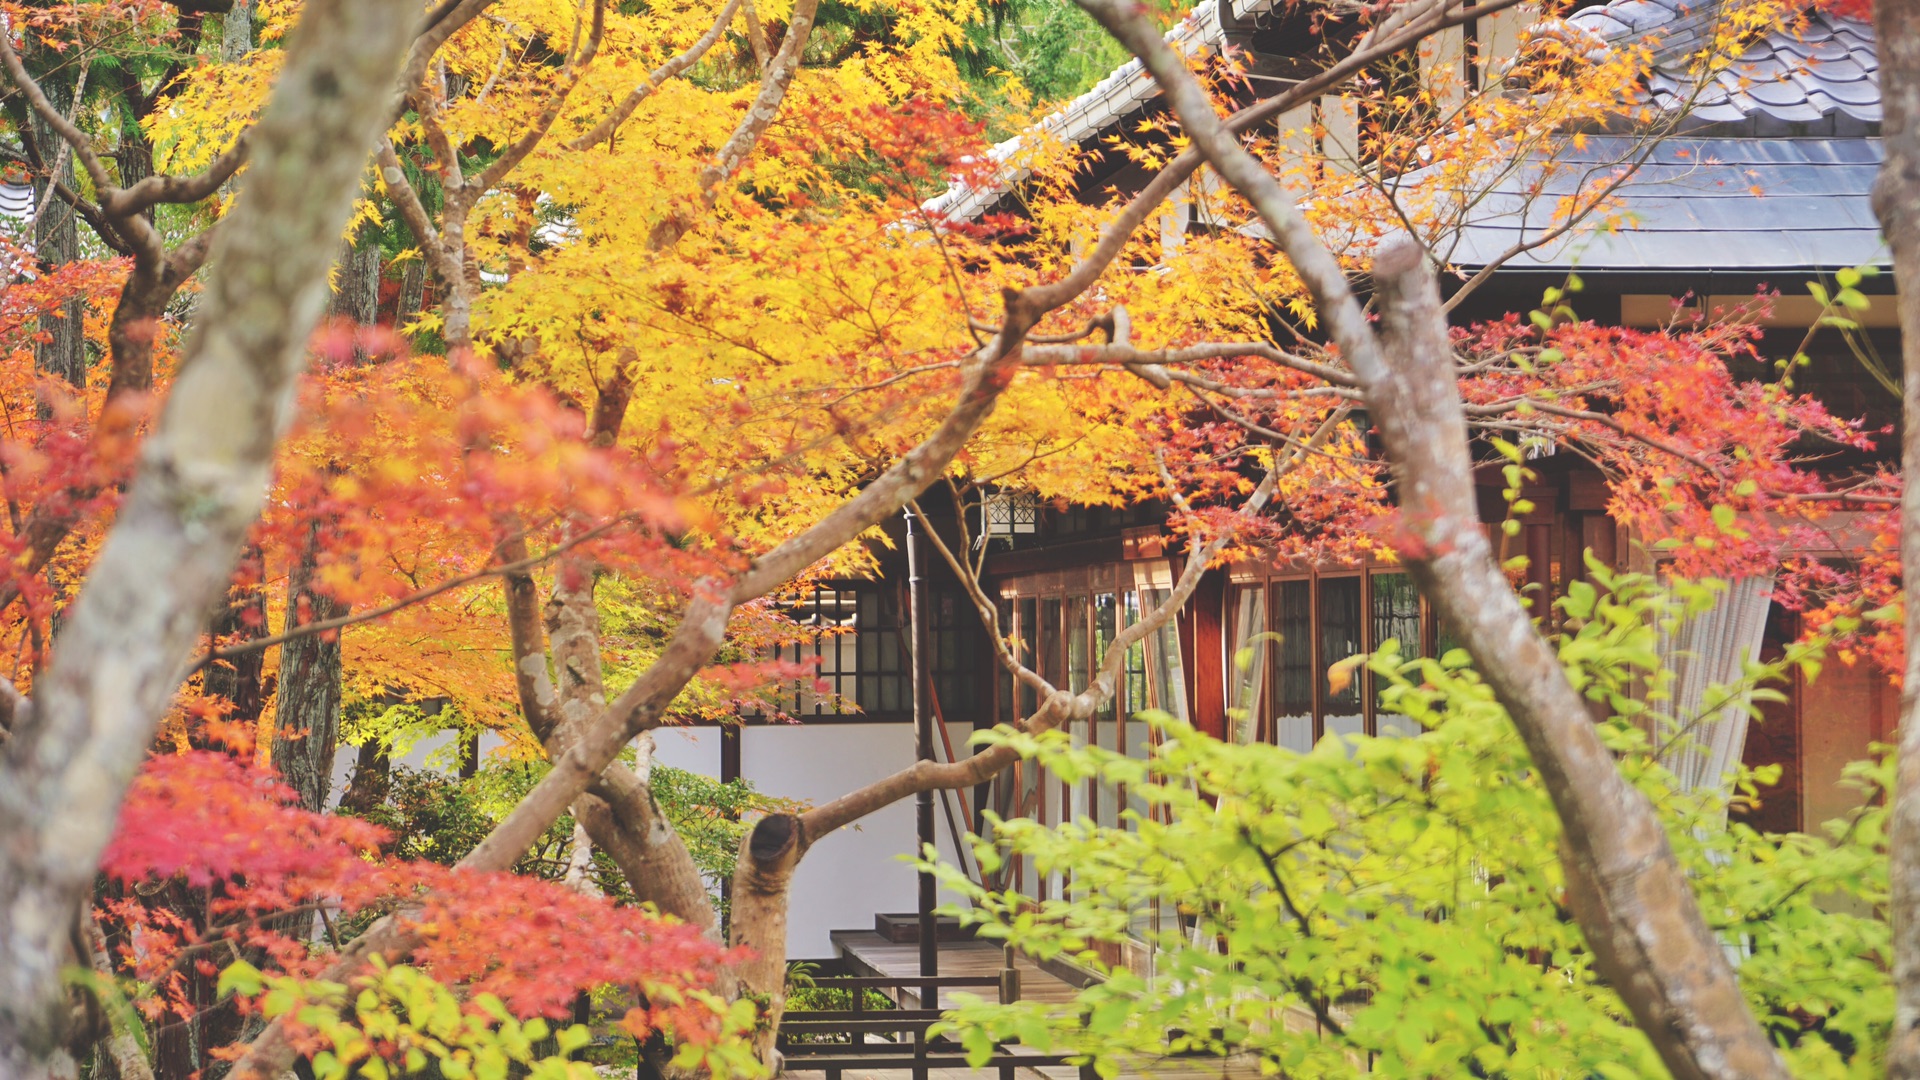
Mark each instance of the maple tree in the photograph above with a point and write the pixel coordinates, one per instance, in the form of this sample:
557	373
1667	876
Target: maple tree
690	335
1627	890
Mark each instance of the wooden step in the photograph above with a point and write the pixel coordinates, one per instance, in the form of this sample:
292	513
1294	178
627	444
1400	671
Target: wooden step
905	929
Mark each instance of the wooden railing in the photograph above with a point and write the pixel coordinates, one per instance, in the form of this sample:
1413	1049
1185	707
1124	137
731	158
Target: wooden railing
838	1039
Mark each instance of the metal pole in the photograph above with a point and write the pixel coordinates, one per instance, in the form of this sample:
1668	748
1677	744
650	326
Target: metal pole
923	734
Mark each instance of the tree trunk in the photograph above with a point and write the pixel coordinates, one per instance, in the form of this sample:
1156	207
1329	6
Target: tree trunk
202	480
136	321
307	717
307	728
618	812
243	617
236	32
762	880
413	292
56	242
1896	200
372	778
121	1044
356	297
1627	889
180	1044
1625	885
134	154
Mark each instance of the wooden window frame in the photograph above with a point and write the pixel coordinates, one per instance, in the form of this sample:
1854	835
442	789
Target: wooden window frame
1267	725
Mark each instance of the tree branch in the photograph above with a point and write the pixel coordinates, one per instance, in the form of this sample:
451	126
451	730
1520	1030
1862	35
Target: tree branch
414	213
517	568
54	118
592	746
766	106
1057	707
569	78
1630	896
603	131
203	477
530	677
1128	356
162	188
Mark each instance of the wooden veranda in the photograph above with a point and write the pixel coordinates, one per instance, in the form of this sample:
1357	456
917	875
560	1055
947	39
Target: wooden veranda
866	954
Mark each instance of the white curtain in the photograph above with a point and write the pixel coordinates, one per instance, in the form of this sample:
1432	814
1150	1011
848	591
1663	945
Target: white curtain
1244	685
1703	651
1166	682
1166	691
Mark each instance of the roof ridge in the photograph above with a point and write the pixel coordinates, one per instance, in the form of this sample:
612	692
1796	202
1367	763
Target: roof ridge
1833	72
1120	93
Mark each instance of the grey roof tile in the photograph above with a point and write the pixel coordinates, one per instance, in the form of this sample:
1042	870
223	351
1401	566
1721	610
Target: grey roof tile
1597	21
1856	151
1822	102
1720	113
1870	114
1850	91
1641	15
1780	93
1839	69
1823	67
1726	203
1825	50
1789	82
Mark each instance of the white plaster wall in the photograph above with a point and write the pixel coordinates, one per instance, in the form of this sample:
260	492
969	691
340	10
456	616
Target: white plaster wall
849	876
416	757
845	878
690	748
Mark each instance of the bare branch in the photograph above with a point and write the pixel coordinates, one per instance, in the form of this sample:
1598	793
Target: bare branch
766	106
603	131
1374	48
521	564
1128	356
757	38
414	213
59	159
569	78
433	31
530	676
1629	893
1057	707
54	118
162	188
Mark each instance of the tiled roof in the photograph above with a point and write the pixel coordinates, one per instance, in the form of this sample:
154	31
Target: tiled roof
1728	204
1798	76
1115	96
1823	70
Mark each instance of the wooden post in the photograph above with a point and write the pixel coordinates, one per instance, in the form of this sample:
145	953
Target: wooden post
923	737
